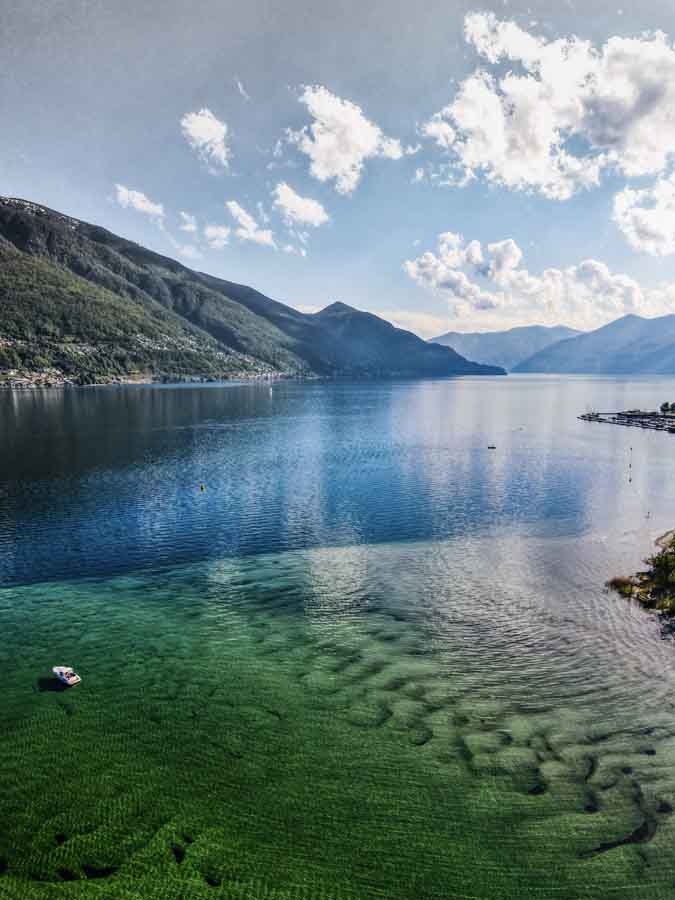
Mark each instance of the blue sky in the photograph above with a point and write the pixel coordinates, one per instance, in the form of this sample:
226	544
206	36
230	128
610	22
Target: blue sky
449	166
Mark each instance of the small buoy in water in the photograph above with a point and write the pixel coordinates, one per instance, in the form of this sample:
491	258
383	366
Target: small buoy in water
201	487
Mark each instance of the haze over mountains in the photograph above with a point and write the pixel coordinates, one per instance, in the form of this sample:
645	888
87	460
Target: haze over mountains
504	348
81	303
631	345
628	346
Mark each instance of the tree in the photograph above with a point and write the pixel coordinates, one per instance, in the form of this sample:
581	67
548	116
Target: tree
665	407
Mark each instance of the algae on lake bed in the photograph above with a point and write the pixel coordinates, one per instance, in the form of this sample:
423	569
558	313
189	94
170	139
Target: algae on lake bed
252	729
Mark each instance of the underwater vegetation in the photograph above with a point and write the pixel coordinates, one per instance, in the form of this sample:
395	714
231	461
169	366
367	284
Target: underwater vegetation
237	734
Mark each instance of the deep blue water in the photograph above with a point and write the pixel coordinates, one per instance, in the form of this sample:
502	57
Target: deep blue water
103	480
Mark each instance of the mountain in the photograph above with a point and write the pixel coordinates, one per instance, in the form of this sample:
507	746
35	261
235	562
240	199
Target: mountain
628	346
370	344
80	303
504	348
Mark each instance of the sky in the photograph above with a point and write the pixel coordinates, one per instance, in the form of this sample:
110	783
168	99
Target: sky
447	165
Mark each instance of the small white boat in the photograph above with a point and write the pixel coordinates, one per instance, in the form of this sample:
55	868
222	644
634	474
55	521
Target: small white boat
66	675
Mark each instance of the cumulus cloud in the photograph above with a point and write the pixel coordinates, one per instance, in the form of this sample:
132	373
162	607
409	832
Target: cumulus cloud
136	200
298	210
562	113
440	130
505	257
247	227
217	236
647	217
492	283
340	139
188	223
207	136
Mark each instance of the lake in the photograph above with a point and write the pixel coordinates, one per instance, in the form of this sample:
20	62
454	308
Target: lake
331	645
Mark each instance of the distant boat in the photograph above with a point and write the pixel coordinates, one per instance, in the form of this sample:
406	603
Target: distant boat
492	447
66	675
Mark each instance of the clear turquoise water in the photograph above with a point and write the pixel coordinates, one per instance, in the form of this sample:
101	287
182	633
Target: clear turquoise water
370	659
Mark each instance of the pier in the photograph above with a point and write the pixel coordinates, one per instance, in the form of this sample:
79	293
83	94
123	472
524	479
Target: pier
634	418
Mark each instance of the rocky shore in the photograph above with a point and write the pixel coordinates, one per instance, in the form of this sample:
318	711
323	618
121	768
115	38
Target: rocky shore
654	587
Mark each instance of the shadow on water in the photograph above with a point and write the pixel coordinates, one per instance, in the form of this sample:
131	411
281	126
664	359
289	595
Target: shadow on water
50	683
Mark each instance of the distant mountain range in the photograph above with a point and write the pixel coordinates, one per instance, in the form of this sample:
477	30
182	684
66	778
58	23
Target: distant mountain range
79	303
504	348
631	345
628	346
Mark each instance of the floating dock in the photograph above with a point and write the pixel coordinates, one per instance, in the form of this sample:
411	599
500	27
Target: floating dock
634	419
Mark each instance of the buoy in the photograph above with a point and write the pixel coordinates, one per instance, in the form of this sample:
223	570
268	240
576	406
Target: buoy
201	487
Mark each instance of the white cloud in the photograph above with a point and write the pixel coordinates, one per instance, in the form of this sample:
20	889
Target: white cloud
138	201
440	130
188	251
340	139
207	135
647	217
298	210
491	284
505	258
247	227
188	223
242	90
295	251
562	112
217	236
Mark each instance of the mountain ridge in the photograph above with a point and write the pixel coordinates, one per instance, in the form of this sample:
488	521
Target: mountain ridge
630	345
188	323
504	348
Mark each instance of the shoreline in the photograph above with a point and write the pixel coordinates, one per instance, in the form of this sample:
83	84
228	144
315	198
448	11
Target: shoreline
653	587
243	377
22	385
665	539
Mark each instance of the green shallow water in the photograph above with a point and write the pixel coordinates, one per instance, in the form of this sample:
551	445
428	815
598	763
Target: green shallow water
291	725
